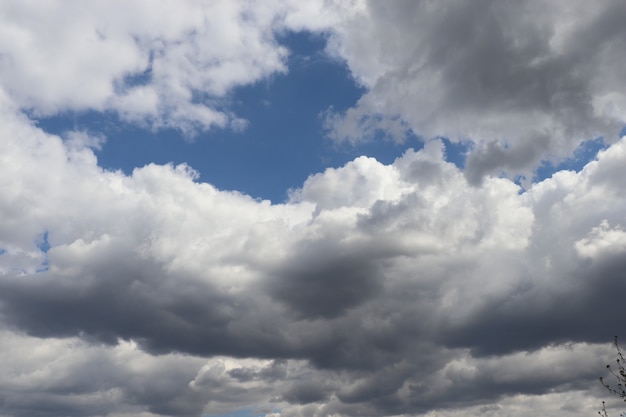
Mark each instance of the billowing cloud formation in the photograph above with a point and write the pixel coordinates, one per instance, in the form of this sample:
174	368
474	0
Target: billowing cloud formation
524	80
377	289
412	288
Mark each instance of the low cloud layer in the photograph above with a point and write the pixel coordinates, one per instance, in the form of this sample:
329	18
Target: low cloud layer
377	289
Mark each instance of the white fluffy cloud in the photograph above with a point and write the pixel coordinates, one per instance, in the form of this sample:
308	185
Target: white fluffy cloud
169	64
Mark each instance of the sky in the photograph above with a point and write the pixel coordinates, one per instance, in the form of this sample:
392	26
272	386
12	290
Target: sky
310	209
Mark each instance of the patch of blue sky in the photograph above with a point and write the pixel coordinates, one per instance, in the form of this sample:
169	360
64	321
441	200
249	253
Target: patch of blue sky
285	140
585	153
456	152
44	246
282	146
42	242
136	79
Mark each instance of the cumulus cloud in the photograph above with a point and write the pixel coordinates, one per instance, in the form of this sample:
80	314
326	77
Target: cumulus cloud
359	295
409	288
525	81
165	65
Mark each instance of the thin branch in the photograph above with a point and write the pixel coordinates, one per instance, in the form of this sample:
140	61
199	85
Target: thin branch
619	372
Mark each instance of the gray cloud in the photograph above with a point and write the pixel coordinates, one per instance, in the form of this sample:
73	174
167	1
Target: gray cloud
525	81
407	288
358	296
326	289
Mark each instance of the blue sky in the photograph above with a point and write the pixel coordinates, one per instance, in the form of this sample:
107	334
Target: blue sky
285	140
311	209
283	144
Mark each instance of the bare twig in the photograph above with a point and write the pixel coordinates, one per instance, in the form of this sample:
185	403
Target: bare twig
619	372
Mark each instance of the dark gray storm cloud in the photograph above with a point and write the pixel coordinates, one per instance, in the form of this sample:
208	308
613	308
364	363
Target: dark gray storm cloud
326	289
588	299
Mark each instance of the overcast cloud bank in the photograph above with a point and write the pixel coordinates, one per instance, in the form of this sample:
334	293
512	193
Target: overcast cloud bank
361	282
412	288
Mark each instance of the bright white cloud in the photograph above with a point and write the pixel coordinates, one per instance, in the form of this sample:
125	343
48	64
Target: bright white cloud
602	239
167	65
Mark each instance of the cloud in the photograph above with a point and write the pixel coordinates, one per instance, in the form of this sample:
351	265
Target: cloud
406	288
525	81
357	296
170	65
48	377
